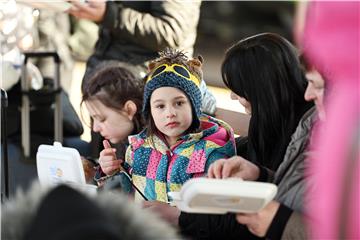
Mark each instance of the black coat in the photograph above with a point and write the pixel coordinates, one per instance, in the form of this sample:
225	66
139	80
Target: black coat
208	226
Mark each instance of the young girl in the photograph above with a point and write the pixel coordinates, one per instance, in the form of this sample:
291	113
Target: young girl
179	142
113	97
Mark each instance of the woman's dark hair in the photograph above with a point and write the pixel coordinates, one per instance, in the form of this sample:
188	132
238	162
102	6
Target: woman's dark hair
113	85
265	70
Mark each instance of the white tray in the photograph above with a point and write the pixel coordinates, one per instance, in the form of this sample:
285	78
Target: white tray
219	196
61	165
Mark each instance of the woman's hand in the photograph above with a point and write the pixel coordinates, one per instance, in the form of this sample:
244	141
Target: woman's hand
93	10
235	166
258	223
164	210
108	163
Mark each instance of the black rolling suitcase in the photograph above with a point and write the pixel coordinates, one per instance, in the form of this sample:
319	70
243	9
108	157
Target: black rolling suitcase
36	97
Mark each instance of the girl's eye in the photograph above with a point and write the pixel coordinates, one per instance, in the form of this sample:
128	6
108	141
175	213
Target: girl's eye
160	106
179	103
98	119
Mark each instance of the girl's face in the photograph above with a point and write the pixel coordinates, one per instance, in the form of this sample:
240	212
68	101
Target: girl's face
171	111
114	126
242	101
315	91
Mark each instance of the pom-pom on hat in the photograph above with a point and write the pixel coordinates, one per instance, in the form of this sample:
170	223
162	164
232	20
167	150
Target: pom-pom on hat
173	69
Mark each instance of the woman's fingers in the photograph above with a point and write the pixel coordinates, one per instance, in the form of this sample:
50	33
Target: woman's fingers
244	218
211	171
215	170
231	167
224	168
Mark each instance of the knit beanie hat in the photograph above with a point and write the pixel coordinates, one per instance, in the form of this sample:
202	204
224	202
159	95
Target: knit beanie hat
178	76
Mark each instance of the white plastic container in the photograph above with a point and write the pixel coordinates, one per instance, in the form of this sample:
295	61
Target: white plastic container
61	165
219	196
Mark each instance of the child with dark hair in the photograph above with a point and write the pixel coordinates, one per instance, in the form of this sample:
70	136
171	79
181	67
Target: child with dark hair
113	97
179	142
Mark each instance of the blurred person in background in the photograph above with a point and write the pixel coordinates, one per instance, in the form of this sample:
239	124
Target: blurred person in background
24	28
332	172
135	31
331	43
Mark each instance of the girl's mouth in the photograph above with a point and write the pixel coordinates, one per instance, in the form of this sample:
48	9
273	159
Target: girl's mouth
172	124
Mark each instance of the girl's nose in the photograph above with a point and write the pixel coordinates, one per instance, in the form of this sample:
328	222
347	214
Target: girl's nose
171	113
96	127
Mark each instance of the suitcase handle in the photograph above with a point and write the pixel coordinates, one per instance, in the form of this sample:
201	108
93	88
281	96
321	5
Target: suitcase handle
41	55
4	98
25	109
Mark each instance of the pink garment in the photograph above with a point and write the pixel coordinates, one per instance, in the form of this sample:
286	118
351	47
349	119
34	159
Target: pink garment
197	162
220	137
154	160
331	42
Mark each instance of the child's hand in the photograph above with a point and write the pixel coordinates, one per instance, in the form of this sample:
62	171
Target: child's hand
108	162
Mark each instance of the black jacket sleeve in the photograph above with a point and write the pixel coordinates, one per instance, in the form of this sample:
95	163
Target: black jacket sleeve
167	24
279	222
242	146
212	226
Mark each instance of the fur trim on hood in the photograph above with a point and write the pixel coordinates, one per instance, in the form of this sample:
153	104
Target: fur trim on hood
40	211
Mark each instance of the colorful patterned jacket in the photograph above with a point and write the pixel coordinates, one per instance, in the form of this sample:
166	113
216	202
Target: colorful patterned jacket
157	170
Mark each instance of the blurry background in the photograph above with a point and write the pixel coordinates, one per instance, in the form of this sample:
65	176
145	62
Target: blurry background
221	24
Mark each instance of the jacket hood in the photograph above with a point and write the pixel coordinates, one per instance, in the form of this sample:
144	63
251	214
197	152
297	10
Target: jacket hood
54	214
